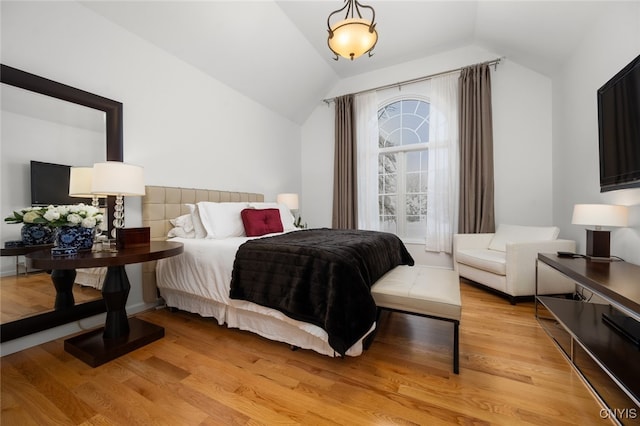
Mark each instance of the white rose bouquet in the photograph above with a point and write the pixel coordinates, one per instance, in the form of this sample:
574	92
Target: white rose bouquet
56	216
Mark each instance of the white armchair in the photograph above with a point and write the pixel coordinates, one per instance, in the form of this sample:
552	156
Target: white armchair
505	261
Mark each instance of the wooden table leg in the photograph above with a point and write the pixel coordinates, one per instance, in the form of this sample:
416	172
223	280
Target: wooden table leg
120	335
63	280
115	292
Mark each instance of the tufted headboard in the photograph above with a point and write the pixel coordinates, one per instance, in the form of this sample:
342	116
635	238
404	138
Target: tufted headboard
162	203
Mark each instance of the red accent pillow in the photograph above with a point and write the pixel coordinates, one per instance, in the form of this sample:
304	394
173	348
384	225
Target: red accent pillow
259	222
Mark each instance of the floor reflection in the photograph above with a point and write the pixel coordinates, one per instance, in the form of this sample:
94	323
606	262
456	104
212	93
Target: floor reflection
25	295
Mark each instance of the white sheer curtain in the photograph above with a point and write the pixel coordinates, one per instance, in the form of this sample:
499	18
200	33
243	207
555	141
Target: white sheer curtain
366	111
443	178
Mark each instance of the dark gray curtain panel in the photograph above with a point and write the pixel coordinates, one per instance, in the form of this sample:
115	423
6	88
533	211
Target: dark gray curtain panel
476	151
345	197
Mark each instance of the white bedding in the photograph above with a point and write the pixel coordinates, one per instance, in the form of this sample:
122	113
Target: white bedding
91	277
199	280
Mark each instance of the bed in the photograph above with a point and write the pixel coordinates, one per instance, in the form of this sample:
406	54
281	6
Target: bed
207	278
90	277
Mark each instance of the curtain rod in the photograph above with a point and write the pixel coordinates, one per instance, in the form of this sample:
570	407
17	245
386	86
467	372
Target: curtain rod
493	62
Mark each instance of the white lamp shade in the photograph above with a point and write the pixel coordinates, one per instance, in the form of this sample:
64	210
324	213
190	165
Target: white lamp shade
289	200
116	178
81	183
599	215
352	38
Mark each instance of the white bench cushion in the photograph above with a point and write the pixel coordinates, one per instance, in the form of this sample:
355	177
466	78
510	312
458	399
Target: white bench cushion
487	260
421	290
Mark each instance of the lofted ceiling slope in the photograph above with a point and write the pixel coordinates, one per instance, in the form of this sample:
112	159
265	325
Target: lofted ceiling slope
275	52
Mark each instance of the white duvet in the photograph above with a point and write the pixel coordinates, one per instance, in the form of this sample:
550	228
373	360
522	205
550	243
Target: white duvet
199	281
203	269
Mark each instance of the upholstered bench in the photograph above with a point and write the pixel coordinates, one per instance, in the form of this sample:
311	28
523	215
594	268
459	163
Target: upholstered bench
424	291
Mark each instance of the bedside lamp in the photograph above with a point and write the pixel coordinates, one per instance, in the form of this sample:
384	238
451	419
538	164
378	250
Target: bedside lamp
81	185
599	215
119	179
291	201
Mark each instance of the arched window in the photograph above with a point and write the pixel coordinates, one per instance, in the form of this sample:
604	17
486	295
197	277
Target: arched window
403	127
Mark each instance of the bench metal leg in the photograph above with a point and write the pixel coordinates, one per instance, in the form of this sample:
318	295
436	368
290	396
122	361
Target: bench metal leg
456	347
456	333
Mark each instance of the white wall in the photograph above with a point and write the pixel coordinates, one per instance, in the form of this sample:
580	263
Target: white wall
522	140
613	43
184	127
316	205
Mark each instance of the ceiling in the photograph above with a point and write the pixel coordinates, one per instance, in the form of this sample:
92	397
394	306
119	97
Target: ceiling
275	52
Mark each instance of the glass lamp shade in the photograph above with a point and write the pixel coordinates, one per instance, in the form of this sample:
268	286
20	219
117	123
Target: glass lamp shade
599	215
116	178
289	200
352	38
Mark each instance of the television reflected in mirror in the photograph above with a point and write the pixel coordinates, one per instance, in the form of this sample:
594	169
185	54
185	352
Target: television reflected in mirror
50	185
619	129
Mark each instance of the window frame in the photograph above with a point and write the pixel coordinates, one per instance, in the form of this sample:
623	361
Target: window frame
401	171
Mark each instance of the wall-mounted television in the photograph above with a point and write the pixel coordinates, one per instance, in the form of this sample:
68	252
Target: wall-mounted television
619	129
50	185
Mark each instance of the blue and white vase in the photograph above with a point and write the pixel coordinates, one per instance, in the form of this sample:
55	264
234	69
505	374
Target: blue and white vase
34	234
74	237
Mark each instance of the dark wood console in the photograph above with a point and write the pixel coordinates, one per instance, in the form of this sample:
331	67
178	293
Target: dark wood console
608	362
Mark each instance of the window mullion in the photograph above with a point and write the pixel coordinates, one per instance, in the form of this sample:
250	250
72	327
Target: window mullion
404	148
401	208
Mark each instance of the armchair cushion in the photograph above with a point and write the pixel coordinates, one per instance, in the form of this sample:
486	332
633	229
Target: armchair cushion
487	260
519	234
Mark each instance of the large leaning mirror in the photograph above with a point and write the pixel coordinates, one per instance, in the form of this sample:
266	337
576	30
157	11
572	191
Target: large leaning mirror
56	120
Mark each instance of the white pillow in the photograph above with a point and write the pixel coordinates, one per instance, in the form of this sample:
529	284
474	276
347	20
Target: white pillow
222	220
198	227
181	232
182	227
521	234
183	221
285	214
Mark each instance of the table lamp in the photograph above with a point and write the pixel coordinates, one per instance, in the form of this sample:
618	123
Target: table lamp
119	179
291	201
81	185
599	215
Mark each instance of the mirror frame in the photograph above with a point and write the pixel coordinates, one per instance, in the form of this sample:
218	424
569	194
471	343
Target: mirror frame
114	141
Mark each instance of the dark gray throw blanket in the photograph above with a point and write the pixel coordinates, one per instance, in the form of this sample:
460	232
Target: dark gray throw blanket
320	276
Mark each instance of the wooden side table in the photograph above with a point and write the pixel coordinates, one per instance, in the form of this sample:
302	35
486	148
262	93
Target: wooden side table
120	335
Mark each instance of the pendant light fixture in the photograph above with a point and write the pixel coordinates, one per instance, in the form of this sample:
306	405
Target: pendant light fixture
354	35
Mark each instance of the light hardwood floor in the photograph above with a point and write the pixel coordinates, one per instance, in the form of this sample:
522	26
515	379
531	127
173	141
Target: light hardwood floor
204	374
